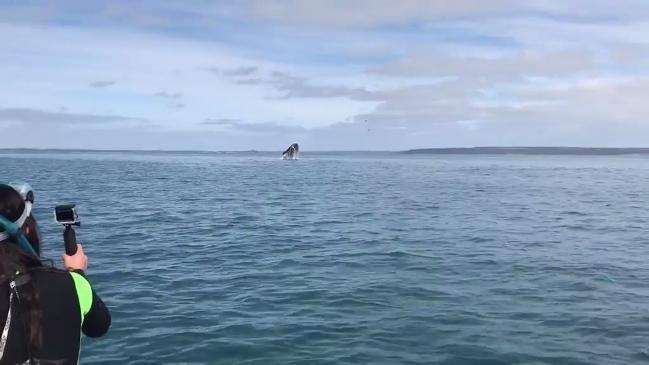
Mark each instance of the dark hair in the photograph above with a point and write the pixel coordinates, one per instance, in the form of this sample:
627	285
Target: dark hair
14	260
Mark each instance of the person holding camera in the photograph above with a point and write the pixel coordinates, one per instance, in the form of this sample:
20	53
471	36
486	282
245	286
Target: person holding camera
43	310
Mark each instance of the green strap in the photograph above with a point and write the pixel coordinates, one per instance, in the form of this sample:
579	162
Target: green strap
84	292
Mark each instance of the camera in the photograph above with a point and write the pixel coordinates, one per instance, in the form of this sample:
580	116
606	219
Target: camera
66	215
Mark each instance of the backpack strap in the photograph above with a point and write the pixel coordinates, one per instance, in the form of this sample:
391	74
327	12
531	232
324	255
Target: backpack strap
18	281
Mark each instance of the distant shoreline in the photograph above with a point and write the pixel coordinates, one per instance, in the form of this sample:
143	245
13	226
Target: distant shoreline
578	151
74	150
581	151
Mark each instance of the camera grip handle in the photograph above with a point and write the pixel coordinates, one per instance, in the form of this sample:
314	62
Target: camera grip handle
70	239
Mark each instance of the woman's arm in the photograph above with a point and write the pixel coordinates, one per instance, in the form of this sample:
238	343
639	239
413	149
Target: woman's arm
97	321
95	317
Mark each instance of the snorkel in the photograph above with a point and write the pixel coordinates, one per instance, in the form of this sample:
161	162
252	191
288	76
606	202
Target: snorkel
14	229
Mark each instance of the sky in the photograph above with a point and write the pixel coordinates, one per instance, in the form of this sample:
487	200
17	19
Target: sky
328	74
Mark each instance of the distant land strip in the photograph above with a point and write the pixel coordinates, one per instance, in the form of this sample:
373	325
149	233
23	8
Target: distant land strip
584	151
598	151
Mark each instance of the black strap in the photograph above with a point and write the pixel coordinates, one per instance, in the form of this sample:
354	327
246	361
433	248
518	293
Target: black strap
21	280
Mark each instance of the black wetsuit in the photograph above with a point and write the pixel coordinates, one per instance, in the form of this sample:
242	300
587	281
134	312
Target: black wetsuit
69	306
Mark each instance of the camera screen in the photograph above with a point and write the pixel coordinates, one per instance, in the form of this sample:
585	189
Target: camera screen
65	215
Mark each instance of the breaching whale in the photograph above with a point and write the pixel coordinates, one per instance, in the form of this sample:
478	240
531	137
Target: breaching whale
291	152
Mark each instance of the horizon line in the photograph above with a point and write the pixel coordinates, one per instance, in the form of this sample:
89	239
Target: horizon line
420	149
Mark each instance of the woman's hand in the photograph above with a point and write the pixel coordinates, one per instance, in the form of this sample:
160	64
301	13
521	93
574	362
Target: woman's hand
78	261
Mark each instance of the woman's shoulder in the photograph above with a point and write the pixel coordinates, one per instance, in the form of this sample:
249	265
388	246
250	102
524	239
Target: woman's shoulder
50	274
55	285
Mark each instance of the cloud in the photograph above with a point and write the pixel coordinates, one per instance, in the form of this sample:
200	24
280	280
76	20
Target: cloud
617	101
505	66
299	87
236	125
220	121
598	10
241	71
101	84
574	110
371	13
171	97
291	86
268	128
627	52
137	138
234	72
41	117
426	71
167	95
199	17
253	81
366	14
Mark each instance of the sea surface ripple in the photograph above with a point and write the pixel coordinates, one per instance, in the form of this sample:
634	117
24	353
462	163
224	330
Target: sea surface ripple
361	259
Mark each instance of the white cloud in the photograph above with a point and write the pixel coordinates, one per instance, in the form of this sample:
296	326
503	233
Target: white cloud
364	13
506	66
619	102
241	71
57	119
146	65
168	95
101	84
468	71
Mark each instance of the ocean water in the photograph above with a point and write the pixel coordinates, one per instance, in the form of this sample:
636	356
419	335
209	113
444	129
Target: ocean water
357	259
